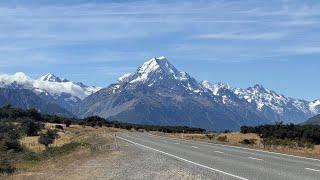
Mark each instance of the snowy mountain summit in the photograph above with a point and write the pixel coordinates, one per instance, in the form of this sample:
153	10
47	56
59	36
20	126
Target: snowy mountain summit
274	106
159	72
158	93
49	87
159	66
52	78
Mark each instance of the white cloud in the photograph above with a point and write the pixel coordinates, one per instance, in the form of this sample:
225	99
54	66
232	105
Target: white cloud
242	36
301	50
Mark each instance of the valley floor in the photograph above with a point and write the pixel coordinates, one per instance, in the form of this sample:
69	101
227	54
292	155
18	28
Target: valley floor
128	162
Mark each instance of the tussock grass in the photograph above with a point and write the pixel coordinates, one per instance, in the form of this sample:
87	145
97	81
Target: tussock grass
75	143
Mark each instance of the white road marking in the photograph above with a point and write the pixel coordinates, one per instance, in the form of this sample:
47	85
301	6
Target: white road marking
313	169
255	158
219	152
195	147
176	143
182	159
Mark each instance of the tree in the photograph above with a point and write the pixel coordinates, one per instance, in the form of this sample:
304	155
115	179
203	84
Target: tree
68	123
48	137
34	114
31	128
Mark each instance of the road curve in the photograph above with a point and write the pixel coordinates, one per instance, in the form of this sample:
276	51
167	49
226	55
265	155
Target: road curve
230	162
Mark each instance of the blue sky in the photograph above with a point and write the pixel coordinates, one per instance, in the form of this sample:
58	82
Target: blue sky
273	43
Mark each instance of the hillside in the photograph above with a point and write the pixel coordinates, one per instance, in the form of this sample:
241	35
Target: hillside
313	120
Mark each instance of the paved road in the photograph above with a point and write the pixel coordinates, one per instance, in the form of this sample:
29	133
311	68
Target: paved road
230	162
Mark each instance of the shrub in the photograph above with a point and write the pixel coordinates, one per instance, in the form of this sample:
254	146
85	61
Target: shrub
222	138
31	128
210	136
248	141
226	131
68	123
58	126
48	137
66	148
6	167
13	144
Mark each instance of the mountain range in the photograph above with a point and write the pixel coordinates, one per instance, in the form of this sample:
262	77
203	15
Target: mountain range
158	93
49	90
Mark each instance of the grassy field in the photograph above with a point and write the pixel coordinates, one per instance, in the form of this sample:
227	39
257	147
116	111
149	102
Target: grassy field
237	139
75	143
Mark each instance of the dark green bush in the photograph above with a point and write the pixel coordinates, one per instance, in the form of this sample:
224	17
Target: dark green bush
31	128
286	132
248	141
48	137
6	167
12	144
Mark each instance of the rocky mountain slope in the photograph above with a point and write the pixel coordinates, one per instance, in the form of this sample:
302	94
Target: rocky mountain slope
313	120
26	99
50	88
158	93
271	105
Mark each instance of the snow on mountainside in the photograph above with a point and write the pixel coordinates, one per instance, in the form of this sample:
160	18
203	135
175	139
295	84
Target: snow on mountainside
314	106
49	87
158	93
275	106
49	84
159	72
52	78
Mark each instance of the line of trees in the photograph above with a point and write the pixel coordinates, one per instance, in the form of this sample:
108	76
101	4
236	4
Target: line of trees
19	115
281	131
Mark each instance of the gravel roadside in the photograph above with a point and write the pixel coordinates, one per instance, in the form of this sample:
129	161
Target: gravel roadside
131	162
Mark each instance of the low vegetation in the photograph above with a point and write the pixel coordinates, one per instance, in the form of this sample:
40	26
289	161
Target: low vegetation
303	140
222	138
28	137
286	134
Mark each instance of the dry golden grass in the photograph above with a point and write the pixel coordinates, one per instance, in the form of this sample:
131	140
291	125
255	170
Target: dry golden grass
91	136
234	138
68	134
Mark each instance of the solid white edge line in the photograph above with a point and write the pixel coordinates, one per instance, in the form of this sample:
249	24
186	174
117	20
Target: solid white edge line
195	147
313	169
255	158
238	147
182	159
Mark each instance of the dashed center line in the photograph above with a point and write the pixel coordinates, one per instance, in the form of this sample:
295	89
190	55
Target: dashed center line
313	169
185	160
195	147
255	158
219	152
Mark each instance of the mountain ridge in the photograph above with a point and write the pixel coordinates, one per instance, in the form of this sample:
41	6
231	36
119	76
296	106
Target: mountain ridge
158	93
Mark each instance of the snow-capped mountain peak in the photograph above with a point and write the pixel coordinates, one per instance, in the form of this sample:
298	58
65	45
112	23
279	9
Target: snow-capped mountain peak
49	77
158	73
215	87
49	87
160	66
314	106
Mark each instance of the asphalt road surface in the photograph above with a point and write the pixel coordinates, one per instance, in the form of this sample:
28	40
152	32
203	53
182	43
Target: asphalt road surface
231	162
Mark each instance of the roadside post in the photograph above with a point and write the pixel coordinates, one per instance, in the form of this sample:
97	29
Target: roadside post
115	140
